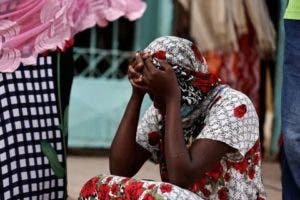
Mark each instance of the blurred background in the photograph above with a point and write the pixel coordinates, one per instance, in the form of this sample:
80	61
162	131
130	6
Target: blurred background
240	39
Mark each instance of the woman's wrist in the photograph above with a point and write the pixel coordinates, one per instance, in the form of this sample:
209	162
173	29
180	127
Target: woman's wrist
173	103
173	97
137	94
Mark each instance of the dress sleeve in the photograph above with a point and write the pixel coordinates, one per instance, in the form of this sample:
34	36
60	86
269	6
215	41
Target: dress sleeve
148	135
232	120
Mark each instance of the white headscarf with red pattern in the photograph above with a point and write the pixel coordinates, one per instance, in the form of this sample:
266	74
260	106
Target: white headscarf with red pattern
191	71
189	65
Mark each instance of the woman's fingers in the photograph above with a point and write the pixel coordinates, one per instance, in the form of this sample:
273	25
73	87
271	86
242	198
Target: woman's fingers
139	62
164	65
132	74
132	60
146	55
139	85
139	79
151	73
138	58
146	78
135	78
149	66
144	73
147	73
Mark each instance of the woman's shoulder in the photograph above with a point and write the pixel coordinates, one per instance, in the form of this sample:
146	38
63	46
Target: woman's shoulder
231	119
230	96
232	103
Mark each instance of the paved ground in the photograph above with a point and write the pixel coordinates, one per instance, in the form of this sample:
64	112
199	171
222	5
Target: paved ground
80	169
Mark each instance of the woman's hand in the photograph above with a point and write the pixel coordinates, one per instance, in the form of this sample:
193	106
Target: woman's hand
161	83
126	156
135	75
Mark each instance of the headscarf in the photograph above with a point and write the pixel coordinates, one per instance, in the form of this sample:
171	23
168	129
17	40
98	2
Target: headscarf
193	78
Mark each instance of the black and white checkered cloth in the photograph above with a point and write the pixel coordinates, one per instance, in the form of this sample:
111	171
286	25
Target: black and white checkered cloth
29	115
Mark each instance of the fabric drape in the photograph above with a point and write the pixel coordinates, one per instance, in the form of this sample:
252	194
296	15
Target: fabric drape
218	24
30	27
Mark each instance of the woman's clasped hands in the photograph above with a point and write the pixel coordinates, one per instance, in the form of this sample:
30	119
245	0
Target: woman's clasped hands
158	80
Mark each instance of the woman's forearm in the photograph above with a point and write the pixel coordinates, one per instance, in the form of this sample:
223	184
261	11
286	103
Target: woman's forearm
177	156
182	162
123	148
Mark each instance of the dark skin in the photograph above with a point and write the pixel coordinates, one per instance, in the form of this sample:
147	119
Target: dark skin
127	156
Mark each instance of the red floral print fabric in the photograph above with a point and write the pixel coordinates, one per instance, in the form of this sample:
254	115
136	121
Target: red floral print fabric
229	117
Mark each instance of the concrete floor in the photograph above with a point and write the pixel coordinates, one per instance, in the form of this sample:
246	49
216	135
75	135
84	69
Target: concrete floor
81	169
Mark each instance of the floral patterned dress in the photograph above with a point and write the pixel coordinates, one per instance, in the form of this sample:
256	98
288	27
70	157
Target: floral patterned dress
229	117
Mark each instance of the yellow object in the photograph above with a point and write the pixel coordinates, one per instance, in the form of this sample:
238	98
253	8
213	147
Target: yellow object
293	10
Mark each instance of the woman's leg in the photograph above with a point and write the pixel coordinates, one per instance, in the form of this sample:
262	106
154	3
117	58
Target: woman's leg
105	187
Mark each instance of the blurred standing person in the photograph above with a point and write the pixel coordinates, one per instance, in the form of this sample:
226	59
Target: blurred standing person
290	103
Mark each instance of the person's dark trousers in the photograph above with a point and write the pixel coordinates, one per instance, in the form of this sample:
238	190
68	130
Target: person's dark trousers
290	189
291	111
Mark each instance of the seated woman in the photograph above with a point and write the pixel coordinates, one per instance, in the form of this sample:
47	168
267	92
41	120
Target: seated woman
204	135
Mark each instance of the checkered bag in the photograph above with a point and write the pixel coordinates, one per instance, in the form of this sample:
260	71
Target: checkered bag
32	157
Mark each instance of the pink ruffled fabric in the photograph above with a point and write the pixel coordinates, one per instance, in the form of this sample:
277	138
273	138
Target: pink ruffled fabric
31	27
